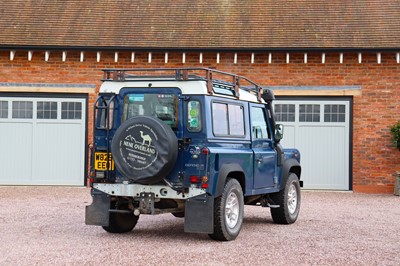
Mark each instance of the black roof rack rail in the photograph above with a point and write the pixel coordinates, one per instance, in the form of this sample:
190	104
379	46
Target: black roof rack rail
232	81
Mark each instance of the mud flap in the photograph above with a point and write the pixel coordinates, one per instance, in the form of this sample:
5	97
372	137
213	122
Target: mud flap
199	214
98	212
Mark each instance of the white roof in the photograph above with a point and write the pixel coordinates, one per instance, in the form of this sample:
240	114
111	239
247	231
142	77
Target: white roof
188	87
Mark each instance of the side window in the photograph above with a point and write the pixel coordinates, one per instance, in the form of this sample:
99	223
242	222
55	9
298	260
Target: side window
3	109
309	113
228	119
285	112
334	113
46	110
22	109
71	110
258	124
194	116
220	118
236	122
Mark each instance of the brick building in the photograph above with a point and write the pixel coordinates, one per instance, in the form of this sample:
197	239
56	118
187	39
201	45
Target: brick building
334	67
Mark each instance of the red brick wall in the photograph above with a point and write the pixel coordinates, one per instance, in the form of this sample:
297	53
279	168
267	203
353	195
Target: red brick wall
375	159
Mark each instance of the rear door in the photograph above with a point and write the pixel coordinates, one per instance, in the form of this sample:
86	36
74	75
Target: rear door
163	103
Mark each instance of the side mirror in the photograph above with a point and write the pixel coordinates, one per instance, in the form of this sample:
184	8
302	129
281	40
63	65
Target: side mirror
278	132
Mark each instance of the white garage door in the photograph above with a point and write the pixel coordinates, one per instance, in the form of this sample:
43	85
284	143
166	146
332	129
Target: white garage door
42	141
321	131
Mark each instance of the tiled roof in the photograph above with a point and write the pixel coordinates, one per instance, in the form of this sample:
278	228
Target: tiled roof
179	24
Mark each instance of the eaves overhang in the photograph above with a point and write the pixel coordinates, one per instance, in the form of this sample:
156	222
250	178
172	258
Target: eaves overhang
200	49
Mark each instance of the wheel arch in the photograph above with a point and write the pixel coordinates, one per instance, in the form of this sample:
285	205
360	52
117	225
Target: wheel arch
289	166
233	171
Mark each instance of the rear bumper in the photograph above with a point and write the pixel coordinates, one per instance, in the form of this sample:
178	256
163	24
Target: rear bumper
134	190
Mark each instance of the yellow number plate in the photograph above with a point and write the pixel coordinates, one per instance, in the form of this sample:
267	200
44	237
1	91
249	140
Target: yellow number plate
100	161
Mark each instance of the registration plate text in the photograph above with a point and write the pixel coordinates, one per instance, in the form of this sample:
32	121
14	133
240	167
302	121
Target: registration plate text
100	161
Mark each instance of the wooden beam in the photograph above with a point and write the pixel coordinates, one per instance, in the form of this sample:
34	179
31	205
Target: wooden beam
52	89
46	56
116	57
317	92
133	57
12	55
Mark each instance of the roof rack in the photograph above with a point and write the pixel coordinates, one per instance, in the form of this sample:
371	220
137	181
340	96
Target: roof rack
228	80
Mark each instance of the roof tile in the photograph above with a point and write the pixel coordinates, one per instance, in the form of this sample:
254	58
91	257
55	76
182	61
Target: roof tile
224	24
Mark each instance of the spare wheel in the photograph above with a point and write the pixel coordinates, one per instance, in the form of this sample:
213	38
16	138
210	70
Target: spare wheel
144	149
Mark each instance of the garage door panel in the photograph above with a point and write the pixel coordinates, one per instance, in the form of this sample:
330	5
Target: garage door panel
323	157
16	152
44	139
58	154
320	129
289	136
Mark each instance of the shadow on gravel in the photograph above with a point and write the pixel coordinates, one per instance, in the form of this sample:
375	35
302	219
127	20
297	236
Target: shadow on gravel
258	220
157	231
174	230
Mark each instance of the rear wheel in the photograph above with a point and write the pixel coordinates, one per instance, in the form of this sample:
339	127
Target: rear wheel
179	214
289	200
228	212
121	222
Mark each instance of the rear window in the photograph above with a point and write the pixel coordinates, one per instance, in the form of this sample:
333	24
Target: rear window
162	106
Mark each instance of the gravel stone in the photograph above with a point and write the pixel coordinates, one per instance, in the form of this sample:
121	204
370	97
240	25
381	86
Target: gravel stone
45	226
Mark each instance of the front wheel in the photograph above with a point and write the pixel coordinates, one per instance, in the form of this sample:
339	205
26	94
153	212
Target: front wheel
289	199
228	212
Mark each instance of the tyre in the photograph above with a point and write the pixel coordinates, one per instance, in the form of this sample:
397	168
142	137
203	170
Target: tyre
289	199
144	149
228	212
178	214
121	222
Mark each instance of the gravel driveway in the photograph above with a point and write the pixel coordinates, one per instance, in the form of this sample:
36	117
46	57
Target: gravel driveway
45	226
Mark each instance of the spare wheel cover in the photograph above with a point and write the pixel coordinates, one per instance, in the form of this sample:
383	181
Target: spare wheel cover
144	149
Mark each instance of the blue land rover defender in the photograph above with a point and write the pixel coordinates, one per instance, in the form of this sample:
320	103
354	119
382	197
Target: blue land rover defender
195	142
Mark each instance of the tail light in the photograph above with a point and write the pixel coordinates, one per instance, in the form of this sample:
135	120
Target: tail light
194	179
204	181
